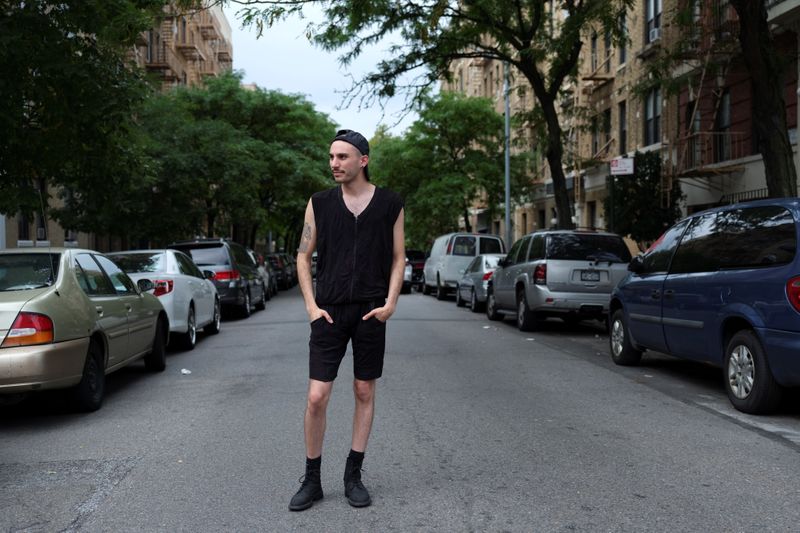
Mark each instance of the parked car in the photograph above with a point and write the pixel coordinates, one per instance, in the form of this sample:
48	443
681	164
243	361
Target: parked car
236	275
263	271
563	273
450	254
407	274
273	276
69	317
283	272
291	264
471	289
721	287
417	260
188	295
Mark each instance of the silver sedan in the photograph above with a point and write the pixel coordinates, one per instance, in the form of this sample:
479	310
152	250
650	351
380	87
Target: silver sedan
471	289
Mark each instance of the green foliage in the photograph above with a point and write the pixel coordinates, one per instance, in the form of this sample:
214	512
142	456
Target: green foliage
66	96
449	157
428	35
230	161
634	204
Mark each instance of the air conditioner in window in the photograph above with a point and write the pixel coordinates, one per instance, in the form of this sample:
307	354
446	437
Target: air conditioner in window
655	34
40	234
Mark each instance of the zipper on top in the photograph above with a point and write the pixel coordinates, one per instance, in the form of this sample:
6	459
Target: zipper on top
355	249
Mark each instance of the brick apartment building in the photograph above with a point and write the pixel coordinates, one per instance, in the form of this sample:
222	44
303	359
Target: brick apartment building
704	133
183	49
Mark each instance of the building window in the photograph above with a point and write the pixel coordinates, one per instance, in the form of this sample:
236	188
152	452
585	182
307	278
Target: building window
150	46
695	146
652	110
542	219
594	51
607	42
623	45
722	139
595	137
591	208
623	128
524	223
653	15
606	129
183	30
41	228
461	80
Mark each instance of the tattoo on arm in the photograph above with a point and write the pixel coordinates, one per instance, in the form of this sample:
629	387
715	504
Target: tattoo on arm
306	239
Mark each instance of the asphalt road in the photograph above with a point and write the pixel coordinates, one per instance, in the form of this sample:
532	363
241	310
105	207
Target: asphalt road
479	427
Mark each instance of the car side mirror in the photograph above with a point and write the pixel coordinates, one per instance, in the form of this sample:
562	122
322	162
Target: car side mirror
636	265
209	274
145	285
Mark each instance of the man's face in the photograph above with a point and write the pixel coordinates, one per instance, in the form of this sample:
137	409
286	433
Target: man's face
346	161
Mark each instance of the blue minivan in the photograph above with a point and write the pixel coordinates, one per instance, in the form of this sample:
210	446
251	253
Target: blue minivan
723	287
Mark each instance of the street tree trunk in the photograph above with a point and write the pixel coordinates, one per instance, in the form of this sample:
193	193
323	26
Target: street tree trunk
769	106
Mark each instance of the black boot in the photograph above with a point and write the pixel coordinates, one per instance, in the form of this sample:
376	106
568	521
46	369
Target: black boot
354	490
310	490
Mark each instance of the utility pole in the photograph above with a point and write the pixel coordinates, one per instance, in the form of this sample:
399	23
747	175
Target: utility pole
507	91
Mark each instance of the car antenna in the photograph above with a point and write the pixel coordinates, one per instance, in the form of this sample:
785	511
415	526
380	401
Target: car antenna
47	238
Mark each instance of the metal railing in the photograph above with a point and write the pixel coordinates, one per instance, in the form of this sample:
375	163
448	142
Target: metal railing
703	149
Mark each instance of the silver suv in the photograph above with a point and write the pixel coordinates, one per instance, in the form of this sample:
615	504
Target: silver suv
567	274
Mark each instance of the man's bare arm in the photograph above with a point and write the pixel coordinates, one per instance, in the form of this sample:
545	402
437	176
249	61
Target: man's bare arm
398	267
308	242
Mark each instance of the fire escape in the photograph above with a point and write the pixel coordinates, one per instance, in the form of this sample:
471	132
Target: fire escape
701	144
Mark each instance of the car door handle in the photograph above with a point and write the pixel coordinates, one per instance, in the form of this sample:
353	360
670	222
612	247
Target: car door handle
656	294
128	307
669	293
99	310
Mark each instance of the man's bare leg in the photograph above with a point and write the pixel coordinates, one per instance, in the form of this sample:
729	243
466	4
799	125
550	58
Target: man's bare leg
319	393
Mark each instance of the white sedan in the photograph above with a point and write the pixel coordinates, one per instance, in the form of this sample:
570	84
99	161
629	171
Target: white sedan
187	294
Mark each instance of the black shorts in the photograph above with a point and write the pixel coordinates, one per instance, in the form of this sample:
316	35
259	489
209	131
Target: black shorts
328	342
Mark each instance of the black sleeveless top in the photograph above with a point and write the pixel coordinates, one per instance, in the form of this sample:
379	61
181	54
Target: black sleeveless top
354	254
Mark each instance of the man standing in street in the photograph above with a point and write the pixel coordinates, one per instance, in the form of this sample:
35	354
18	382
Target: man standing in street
357	231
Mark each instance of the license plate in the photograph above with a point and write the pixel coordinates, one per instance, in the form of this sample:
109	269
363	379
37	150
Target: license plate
590	275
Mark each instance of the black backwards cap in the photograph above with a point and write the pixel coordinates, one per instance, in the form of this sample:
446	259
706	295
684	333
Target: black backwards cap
357	140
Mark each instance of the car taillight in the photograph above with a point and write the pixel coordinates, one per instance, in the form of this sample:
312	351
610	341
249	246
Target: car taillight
449	246
163	286
793	292
227	275
488	275
29	328
540	275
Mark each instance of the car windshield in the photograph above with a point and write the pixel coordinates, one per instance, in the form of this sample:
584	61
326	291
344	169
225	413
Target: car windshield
587	247
208	256
133	263
22	272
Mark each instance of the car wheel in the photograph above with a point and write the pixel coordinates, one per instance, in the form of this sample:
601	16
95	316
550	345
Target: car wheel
424	288
87	395
213	327
474	304
441	292
245	309
460	302
189	339
156	360
748	379
526	321
262	303
491	307
622	351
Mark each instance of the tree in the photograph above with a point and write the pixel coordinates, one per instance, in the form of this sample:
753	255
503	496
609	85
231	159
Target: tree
66	100
448	158
540	44
766	67
634	205
230	162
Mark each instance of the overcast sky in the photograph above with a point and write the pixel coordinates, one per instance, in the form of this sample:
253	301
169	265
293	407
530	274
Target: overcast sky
283	59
